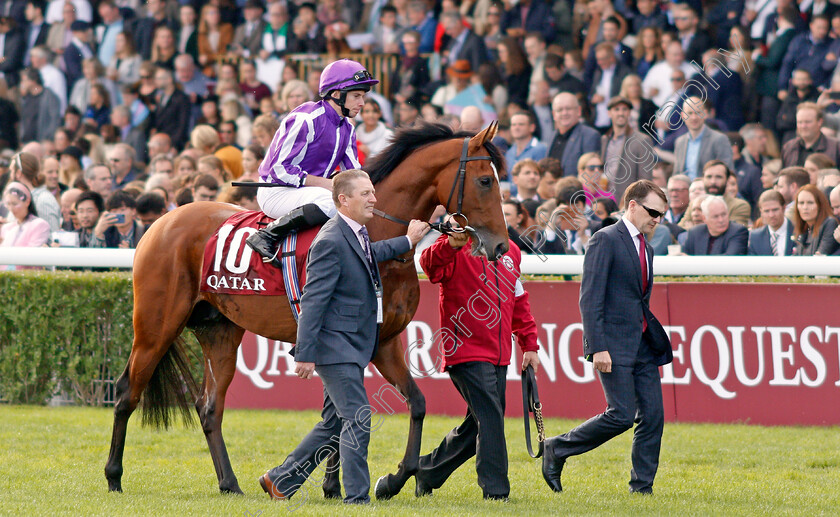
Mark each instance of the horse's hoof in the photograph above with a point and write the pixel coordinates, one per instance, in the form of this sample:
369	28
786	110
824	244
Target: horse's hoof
232	490
114	486
332	494
382	491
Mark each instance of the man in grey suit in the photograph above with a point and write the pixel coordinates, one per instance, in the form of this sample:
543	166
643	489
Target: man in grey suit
718	235
774	238
573	138
701	144
624	341
625	151
248	36
338	332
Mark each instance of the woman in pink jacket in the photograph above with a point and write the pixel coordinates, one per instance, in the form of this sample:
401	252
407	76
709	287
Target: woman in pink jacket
23	226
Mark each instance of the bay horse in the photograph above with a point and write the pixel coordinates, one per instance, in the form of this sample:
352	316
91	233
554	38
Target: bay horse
425	166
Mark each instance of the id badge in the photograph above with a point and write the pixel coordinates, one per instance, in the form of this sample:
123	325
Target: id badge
379	318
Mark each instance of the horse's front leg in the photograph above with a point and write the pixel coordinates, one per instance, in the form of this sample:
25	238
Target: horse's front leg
391	364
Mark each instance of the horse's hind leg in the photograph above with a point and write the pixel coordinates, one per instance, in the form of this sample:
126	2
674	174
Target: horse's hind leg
156	328
391	364
332	484
219	341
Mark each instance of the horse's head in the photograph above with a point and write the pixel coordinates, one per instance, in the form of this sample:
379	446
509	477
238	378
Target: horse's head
469	188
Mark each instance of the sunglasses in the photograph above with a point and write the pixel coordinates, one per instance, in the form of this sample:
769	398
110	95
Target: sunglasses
653	213
594	167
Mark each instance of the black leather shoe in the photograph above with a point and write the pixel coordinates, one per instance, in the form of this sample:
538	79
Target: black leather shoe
421	489
552	466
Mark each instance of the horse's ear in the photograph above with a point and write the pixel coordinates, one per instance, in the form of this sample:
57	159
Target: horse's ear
486	136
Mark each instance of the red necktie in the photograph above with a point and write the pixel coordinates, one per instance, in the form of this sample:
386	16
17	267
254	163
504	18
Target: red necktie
643	263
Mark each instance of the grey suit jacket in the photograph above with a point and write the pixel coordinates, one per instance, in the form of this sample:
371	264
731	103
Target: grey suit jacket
732	242
253	42
635	163
714	146
760	241
612	303
338	307
583	140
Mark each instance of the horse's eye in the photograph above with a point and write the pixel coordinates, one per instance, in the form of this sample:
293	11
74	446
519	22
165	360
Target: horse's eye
485	181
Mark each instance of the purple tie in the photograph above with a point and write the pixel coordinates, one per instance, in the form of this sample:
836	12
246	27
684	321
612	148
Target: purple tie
366	239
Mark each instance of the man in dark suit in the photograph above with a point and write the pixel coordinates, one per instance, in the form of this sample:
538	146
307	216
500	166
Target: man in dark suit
718	236
77	51
143	29
694	40
248	36
12	51
624	341
338	331
572	139
774	238
463	43
611	29
37	29
171	115
606	83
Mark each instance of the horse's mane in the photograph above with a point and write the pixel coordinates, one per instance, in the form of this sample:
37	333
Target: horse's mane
406	140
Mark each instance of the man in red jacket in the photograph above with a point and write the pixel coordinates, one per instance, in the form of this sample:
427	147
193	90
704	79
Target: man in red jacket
481	305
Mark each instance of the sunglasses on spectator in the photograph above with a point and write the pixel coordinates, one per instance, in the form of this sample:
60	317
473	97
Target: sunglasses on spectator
653	213
594	167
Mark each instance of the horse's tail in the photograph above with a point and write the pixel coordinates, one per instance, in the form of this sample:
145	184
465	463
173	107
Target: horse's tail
171	388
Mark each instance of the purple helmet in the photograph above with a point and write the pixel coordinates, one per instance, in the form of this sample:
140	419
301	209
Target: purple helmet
345	75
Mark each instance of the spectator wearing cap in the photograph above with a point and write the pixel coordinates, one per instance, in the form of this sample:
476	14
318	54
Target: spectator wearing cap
572	138
248	36
37	29
39	108
459	73
625	151
53	78
78	50
14	48
106	32
171	106
463	42
525	144
717	235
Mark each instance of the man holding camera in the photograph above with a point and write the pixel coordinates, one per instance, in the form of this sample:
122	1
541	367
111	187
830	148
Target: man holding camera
118	226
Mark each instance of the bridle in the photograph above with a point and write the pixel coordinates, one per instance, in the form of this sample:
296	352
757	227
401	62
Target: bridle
458	184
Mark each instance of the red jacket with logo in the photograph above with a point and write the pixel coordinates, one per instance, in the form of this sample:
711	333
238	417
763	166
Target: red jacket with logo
481	304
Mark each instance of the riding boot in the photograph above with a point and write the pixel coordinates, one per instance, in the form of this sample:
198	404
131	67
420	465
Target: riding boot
266	241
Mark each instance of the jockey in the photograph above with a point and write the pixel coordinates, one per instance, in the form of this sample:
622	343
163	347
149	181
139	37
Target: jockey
312	141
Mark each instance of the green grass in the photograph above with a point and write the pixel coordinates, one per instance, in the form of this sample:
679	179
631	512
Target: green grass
52	460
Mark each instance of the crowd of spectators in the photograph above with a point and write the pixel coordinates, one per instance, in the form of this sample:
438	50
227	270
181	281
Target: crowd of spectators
113	112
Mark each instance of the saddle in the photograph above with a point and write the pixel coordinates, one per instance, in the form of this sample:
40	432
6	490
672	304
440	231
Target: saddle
231	267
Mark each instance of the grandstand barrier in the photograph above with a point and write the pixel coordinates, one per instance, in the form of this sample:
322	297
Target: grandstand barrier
531	264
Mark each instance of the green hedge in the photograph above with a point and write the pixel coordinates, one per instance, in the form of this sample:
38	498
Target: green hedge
71	329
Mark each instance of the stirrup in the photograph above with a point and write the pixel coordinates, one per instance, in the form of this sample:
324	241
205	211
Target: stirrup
276	252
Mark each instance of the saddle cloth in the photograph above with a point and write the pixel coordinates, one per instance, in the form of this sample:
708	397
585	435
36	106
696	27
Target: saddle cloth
232	267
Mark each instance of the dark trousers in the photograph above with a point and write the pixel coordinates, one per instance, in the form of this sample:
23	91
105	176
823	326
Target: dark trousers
481	434
344	427
634	394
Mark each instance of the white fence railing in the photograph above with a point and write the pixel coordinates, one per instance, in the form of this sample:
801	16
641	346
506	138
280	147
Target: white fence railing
531	264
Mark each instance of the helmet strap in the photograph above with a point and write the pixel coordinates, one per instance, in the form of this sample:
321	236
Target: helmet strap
341	100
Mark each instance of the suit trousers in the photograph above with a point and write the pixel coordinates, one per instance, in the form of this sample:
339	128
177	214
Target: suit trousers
634	394
481	434
344	427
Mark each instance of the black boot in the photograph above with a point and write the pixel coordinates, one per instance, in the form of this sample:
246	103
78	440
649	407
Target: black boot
265	241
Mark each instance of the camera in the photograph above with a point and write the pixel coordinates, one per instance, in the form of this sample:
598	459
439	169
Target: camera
120	218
